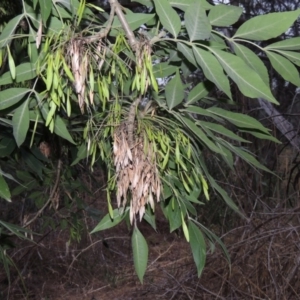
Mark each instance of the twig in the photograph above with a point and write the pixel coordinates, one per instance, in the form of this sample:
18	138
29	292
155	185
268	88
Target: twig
170	263
159	256
96	290
186	292
87	248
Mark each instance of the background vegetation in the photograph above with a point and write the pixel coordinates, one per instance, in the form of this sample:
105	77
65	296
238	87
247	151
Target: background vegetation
138	115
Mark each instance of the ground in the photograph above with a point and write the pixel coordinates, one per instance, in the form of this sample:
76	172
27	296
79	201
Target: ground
263	247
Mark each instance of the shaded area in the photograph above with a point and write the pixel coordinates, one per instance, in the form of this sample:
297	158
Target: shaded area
264	250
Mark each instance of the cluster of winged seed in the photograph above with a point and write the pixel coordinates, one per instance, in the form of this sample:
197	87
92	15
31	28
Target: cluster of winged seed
79	67
137	175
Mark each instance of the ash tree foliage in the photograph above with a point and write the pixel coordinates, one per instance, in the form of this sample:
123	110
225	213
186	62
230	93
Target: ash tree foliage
111	85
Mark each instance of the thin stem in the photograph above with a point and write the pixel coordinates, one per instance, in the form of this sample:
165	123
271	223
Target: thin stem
248	42
230	39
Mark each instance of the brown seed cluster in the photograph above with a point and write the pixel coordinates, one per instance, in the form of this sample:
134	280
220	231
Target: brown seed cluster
45	149
80	64
79	67
137	174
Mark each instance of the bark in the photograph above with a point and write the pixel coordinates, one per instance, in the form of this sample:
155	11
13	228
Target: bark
283	125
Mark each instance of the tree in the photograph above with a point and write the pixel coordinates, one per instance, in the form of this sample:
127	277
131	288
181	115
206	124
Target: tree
114	87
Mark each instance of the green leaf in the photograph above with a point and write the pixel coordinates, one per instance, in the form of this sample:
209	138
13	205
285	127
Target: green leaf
224	15
196	22
262	136
186	68
25	71
250	159
222	130
44	106
168	16
4	189
186	201
34	164
67	3
7	146
252	60
147	3
214	44
46	7
20	122
194	195
224	195
212	70
200	91
9	30
288	44
9	176
11	63
247	80
59	11
219	40
187	53
5	122
198	246
201	135
213	238
173	214
6	260
294	57
284	67
262	28
81	154
24	176
12	96
185	229
60	129
226	155
32	49
16	230
108	222
149	216
163	70
199	111
55	25
238	119
134	20
174	91
140	253
184	5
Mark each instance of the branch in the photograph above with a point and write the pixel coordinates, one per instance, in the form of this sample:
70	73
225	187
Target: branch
103	32
114	4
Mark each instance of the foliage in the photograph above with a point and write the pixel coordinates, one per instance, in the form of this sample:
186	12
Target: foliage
113	88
